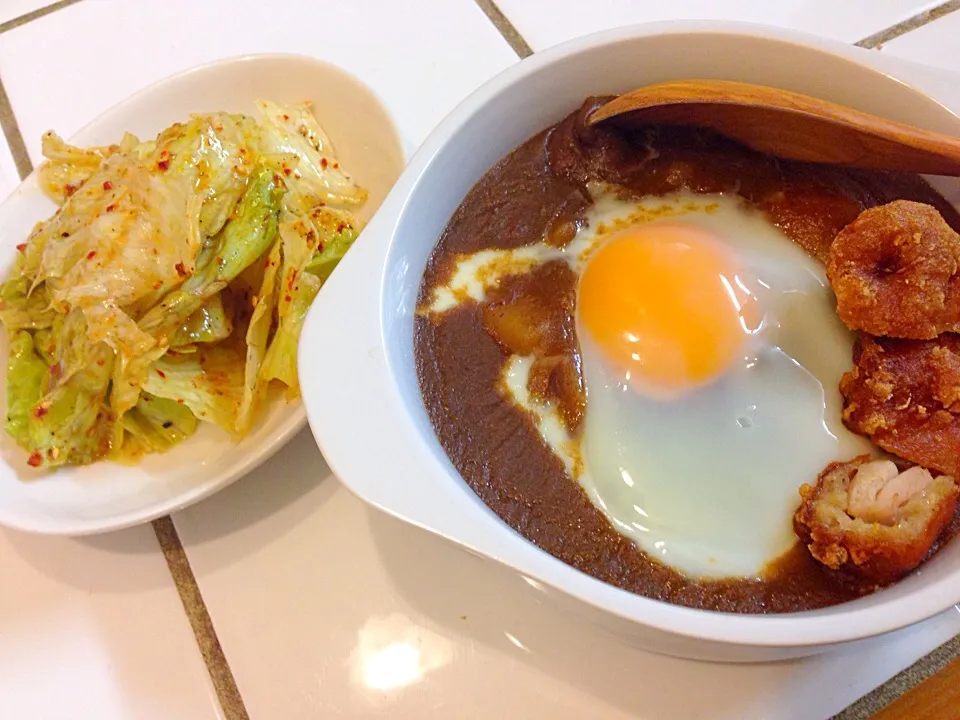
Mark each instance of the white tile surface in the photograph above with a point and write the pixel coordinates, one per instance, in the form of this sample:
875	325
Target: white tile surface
10	9
397	48
94	629
547	22
933	44
328	609
9	179
325	608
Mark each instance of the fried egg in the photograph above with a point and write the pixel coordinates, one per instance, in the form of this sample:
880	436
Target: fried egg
711	352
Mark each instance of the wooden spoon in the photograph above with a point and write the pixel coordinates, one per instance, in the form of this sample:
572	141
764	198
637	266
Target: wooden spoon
788	125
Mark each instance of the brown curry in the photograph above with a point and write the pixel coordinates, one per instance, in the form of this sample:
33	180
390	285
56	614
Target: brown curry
539	192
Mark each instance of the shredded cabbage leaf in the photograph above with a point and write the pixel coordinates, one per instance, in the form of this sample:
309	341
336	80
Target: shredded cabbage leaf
209	382
170	285
26	373
155	425
258	333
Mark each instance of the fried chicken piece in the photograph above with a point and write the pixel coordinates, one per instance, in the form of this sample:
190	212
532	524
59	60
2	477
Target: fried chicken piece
866	518
896	271
905	396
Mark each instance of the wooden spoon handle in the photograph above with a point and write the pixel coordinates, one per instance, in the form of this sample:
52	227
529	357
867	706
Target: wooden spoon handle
788	125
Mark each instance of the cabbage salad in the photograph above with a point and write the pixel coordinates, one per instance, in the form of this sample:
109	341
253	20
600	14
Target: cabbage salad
171	284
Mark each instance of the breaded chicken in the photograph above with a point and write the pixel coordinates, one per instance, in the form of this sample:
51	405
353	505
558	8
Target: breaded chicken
905	396
896	271
866	518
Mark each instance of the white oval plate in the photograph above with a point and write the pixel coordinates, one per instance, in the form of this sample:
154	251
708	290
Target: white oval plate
108	496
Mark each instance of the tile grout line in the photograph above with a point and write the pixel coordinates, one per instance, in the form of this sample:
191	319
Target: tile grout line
876	41
35	14
11	131
224	684
505	28
885	694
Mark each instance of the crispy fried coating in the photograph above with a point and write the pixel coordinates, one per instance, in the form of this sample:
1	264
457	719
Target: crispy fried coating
905	396
896	271
866	519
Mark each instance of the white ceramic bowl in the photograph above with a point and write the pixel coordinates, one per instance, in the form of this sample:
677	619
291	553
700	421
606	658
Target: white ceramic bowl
107	496
364	405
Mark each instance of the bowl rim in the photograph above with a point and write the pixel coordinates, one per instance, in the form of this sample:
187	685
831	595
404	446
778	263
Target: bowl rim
822	627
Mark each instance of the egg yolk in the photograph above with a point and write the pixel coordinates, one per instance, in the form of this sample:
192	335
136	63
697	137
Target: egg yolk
664	304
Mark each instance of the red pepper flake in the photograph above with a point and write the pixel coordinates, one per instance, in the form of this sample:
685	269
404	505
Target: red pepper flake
286	171
161	373
91	254
69	189
40	410
111	207
323	163
181	270
286	117
35	459
266	262
158	284
100	362
336	166
276	178
107	185
179	401
21	247
163	164
287	298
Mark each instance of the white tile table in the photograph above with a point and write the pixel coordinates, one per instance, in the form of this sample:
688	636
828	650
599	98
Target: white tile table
322	607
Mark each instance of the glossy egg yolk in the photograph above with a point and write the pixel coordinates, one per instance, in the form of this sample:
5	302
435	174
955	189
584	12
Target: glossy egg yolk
663	304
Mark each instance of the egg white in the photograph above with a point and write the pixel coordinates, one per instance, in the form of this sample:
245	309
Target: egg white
706	482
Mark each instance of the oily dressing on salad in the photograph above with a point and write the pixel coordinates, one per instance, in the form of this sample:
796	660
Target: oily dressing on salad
171	284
